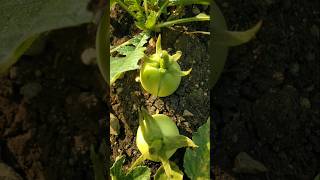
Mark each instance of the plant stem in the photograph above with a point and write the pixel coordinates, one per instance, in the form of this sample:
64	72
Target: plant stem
179	21
137	162
121	45
162	8
145	3
140	8
124	6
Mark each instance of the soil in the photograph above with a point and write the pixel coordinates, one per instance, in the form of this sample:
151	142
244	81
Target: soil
52	109
127	95
267	101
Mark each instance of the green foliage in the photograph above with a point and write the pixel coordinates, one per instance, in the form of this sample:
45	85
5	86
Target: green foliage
147	13
137	173
22	21
133	51
161	175
101	46
197	161
222	39
98	160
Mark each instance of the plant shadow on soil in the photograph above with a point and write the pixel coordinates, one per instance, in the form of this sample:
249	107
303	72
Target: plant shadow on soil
267	101
52	109
127	95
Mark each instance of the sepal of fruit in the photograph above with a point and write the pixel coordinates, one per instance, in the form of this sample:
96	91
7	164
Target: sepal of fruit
158	137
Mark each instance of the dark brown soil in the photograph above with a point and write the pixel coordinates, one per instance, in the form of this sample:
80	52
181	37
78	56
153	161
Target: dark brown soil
267	101
52	110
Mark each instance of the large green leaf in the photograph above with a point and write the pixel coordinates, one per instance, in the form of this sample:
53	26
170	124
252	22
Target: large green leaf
221	39
197	161
22	21
119	65
138	173
101	46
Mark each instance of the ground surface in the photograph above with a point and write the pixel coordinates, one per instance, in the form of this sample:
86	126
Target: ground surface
52	109
267	102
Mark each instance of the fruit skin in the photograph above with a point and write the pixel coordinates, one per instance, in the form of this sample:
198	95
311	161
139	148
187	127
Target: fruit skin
168	128
159	81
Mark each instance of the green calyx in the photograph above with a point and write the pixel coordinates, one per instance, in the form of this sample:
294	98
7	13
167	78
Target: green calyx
157	139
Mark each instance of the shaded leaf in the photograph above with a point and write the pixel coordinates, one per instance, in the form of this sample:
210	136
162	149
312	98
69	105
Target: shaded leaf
234	38
197	161
22	21
98	160
102	48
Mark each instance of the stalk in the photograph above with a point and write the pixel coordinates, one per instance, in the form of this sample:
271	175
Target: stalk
180	21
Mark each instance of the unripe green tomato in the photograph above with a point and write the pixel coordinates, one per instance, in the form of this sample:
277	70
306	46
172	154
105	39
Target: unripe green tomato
167	127
158	81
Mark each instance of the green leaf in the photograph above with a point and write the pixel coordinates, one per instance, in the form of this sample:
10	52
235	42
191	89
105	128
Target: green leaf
101	46
218	54
151	20
112	3
22	21
197	161
234	38
175	172
222	39
98	161
137	173
119	65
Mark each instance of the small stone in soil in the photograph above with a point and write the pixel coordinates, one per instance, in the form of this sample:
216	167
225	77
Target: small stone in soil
7	173
187	113
89	56
244	163
114	125
30	90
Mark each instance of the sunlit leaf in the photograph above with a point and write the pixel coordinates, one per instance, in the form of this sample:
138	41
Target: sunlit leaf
137	173
119	65
197	161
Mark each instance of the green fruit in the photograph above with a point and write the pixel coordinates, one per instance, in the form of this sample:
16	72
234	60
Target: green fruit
167	127
160	74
